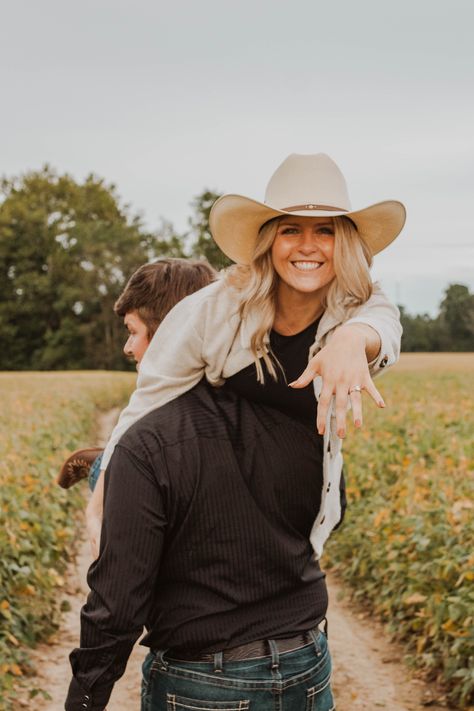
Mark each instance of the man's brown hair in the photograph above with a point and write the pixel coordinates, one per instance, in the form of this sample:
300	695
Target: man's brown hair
155	288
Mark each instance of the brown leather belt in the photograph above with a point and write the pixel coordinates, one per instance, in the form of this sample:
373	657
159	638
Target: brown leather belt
259	648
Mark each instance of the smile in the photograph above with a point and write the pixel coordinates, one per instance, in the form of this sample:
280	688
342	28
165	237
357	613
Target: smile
307	266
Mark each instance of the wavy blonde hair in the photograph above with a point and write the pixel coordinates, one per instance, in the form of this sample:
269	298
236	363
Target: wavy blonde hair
257	283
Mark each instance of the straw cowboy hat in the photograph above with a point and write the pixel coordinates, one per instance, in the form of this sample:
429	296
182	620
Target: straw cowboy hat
305	185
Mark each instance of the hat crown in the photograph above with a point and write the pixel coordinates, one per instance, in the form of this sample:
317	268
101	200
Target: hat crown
312	179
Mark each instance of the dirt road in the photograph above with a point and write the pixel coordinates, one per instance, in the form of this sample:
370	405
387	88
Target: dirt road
51	660
368	673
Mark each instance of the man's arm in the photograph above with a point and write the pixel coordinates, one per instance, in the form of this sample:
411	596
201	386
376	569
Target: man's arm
121	580
94	514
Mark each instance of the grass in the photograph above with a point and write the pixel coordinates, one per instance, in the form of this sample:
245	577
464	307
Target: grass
406	548
44	416
407	545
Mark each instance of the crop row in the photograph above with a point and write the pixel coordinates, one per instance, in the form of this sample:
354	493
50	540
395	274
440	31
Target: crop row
407	544
43	418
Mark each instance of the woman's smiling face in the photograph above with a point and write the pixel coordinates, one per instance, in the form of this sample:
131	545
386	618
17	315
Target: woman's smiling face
302	252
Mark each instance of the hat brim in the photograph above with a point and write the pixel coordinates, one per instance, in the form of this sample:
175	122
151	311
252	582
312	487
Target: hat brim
235	222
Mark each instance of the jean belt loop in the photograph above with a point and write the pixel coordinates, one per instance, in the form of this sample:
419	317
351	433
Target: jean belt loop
314	636
160	658
218	662
275	655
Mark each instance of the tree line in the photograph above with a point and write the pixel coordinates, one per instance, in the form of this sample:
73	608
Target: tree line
67	249
451	330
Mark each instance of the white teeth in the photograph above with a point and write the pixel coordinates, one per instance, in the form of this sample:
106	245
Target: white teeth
306	266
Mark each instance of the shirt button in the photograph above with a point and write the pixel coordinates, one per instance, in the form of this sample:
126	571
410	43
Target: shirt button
384	362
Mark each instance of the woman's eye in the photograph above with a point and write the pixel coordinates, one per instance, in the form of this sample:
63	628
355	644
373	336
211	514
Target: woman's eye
289	231
326	231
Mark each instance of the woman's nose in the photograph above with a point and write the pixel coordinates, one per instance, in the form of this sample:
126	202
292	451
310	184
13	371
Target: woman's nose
309	241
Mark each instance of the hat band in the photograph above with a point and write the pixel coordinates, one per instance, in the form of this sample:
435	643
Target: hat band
294	208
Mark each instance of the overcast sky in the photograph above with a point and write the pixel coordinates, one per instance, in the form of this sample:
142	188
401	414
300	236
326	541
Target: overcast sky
165	99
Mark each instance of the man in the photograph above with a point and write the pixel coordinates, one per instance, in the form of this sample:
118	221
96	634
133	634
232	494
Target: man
150	293
209	502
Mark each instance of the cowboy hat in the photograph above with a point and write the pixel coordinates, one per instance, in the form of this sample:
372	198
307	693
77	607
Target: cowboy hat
304	185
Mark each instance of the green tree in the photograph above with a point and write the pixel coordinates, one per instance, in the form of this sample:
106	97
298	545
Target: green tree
451	330
167	243
457	318
202	244
419	332
66	250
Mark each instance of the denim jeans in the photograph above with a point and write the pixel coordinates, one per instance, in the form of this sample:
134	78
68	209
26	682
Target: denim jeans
298	680
94	472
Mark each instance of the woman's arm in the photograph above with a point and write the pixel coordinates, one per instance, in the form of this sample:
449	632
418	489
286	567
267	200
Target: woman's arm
365	345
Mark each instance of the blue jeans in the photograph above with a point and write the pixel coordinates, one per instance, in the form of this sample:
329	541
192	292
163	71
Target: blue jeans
288	681
94	472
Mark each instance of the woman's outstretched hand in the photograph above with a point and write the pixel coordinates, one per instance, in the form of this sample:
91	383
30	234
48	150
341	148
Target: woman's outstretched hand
342	365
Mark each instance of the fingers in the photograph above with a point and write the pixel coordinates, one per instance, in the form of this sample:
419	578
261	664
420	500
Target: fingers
341	393
308	374
340	387
356	403
323	408
374	393
342	397
341	410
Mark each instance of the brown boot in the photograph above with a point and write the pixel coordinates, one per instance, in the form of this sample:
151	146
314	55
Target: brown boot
77	466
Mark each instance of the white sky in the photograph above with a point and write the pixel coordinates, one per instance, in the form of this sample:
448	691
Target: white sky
167	98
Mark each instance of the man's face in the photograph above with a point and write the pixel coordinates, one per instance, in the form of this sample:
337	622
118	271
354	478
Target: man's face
137	341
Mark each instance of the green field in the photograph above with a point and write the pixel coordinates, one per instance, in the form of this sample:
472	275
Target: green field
407	543
406	547
44	416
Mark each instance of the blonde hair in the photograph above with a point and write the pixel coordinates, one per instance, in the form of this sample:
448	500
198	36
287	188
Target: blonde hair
257	283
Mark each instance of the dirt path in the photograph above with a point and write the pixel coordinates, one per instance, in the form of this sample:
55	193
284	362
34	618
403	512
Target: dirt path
367	669
368	673
51	660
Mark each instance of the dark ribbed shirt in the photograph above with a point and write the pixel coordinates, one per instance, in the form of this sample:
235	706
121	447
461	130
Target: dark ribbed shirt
209	503
292	353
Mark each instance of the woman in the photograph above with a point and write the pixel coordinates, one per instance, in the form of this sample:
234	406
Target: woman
302	272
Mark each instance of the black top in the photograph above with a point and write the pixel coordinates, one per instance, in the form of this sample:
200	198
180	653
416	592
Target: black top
292	353
209	503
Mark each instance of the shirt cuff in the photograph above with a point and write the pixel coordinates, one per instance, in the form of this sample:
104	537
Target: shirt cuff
79	699
382	359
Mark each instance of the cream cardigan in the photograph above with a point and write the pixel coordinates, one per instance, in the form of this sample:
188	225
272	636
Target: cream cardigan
204	335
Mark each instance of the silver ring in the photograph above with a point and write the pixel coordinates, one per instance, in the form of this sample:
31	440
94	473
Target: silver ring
355	389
